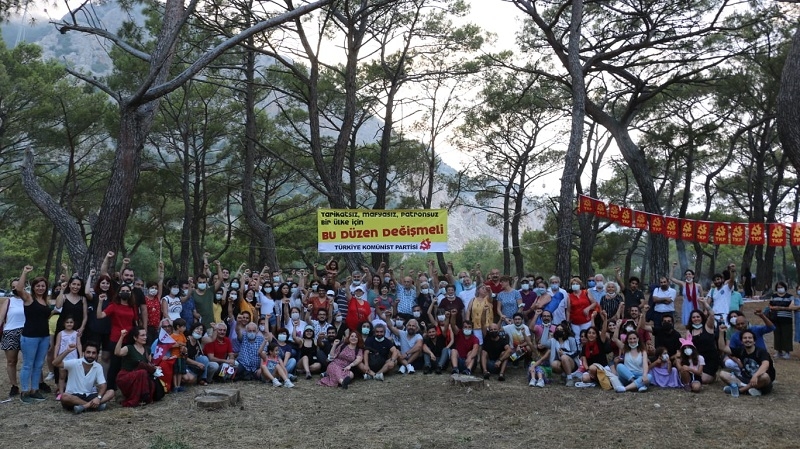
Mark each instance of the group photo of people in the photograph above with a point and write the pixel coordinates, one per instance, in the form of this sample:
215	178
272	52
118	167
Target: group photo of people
110	337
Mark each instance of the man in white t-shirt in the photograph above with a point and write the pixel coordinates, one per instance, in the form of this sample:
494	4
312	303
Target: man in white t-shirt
664	301
720	295
410	345
519	337
86	384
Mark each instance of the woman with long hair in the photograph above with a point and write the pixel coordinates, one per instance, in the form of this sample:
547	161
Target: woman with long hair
344	358
632	366
35	338
135	376
124	315
690	365
100	297
12	320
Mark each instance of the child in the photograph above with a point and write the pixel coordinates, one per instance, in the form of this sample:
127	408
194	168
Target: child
540	367
272	365
179	351
690	365
69	336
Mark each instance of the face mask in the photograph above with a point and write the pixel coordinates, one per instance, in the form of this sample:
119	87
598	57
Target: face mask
688	352
633	345
697	326
781	290
612	294
387	279
440	317
234	296
667	326
262	328
365	331
629	329
185	292
416	314
664	357
599	285
293	290
398	323
576	287
467	332
251	336
689	280
276	278
338	318
443	291
451	296
546	322
196	336
590	284
218	296
559	335
525	287
356	283
202	286
733	320
424	291
174	291
235	285
314	286
380	339
152	292
494	296
282	338
268	290
295	316
125	295
540	291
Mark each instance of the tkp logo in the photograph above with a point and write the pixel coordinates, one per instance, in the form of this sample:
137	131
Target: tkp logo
425	245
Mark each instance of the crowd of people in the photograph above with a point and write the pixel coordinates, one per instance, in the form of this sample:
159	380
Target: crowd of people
112	331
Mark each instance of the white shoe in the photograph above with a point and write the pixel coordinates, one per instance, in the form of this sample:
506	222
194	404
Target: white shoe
288	384
540	383
367	377
411	369
403	369
532	383
379	376
620	389
50	376
276	382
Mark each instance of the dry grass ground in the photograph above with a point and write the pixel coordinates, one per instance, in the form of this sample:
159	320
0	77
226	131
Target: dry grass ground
425	412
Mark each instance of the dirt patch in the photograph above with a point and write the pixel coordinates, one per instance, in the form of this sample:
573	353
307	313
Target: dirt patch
419	411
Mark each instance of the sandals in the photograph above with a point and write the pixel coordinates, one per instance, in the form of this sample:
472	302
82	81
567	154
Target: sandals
202	383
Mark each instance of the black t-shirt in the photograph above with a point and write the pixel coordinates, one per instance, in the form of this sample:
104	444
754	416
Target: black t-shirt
669	340
752	362
436	345
494	348
381	348
632	298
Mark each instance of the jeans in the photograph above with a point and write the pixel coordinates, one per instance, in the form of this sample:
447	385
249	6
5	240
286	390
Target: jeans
626	375
290	365
440	361
203	373
34	351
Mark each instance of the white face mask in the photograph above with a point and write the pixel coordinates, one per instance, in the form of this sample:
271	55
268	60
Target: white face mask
174	291
424	291
611	294
234	296
467	332
576	287
218	296
234	285
629	329
688	352
697	326
440	317
781	290
338	318
295	316
664	357
152	292
599	285
416	314
398	323
268	290
202	286
633	345
525	287
293	289
262	328
185	292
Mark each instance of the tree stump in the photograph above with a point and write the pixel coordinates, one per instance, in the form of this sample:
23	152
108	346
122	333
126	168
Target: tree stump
218	398
462	380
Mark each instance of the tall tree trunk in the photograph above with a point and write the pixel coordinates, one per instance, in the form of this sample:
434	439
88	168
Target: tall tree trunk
572	157
788	104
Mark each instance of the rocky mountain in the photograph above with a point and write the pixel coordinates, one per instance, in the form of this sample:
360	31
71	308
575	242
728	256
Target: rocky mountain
91	54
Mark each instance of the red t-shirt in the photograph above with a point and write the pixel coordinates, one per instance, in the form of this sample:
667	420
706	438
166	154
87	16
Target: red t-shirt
577	303
219	349
122	317
357	313
495	288
465	344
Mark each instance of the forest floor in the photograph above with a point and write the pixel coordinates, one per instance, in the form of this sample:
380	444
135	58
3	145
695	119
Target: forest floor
422	411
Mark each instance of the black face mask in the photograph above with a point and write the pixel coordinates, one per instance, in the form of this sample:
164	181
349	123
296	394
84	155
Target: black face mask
666	326
124	295
492	334
559	335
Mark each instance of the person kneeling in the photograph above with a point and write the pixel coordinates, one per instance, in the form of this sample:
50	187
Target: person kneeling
84	375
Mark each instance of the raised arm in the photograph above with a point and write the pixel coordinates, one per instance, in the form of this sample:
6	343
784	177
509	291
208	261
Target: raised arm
618	278
27	299
218	284
87	289
106	262
119	350
672	277
161	279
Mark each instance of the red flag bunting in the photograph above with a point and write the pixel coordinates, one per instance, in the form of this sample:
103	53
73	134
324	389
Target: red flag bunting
585	204
656	224
600	209
795	240
614	212
671	227
721	234
777	234
640	220
626	217
757	234
738	234
703	231
687	230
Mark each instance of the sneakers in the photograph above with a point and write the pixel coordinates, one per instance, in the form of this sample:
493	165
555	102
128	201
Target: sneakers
276	382
754	392
58	397
455	371
78	409
532	383
289	384
486	376
540	383
438	370
466	372
620	389
585	384
102	407
179	389
292	377
26	399
643	388
786	356
368	377
345	383
44	387
501	378
308	376
570	382
379	376
427	370
14	391
50	376
411	369
37	396
403	369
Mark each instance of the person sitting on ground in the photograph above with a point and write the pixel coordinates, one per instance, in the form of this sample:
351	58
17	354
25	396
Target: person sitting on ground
436	349
466	348
594	354
287	349
250	352
690	365
380	355
661	369
219	351
86	384
757	372
345	357
496	351
632	366
519	338
666	335
410	341
272	366
539	370
196	361
310	358
135	378
564	352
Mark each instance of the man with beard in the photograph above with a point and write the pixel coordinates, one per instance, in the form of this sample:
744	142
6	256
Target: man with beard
740	323
84	375
381	354
757	371
664	301
666	335
250	347
634	297
496	351
410	345
720	294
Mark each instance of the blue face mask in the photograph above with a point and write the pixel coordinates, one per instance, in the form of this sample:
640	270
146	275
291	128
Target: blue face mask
540	290
591	284
554	287
251	335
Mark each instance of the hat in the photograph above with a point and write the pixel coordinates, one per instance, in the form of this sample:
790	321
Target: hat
360	287
687	341
330	293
